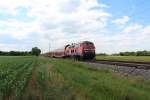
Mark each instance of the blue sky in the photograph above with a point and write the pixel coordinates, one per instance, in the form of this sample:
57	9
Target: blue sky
113	25
137	9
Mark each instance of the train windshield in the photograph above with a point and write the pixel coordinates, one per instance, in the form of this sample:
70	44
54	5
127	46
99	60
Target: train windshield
88	43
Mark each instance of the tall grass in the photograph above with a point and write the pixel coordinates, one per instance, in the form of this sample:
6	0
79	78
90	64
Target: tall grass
30	78
101	85
69	80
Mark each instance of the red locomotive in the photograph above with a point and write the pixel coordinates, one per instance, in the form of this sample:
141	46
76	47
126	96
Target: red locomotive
82	50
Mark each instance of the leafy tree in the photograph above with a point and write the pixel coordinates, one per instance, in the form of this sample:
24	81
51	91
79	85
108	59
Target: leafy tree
36	51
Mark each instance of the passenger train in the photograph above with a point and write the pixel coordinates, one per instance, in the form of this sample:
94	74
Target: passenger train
84	50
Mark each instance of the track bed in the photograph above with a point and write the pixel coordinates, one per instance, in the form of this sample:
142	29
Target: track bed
138	65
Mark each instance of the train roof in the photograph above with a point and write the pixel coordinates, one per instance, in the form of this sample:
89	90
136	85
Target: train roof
86	42
61	48
77	44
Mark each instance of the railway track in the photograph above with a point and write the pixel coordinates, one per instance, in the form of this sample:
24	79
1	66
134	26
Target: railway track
137	65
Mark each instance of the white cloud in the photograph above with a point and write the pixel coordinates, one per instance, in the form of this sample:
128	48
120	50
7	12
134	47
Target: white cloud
61	23
64	21
134	27
15	47
121	21
146	30
18	29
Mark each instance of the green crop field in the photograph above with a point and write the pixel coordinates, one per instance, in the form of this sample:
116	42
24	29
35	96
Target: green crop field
38	78
125	58
14	75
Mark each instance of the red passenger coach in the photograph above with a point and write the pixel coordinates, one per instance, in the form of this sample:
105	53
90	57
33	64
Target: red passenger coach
82	50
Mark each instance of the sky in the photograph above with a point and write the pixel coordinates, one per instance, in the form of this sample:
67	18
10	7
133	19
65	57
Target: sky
112	25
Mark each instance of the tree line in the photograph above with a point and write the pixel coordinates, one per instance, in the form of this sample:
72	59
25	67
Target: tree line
35	51
137	53
128	53
15	53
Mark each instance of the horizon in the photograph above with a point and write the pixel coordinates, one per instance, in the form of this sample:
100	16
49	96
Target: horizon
113	26
55	49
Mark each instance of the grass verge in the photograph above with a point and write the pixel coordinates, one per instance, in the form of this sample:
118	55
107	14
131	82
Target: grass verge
69	80
125	58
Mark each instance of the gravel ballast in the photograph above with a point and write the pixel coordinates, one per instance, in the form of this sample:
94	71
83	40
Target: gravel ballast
123	69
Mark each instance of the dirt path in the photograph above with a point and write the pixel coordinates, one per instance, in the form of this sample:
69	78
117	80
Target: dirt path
32	92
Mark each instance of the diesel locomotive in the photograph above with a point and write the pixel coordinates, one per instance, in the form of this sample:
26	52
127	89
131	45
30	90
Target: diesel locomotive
82	50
